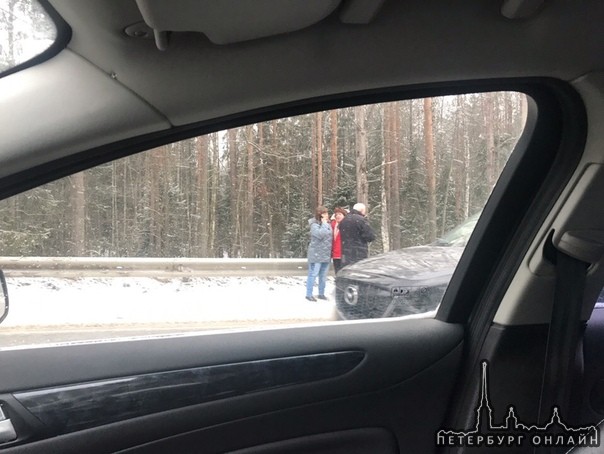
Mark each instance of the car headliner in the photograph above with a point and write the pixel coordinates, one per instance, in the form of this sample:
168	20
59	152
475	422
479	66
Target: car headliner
106	87
103	71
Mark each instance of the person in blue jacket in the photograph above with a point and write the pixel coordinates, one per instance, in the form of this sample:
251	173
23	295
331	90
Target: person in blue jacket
319	252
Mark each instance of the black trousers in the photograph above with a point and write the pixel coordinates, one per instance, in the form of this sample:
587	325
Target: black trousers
337	265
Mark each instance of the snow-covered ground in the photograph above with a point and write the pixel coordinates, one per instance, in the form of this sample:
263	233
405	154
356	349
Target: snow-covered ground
105	302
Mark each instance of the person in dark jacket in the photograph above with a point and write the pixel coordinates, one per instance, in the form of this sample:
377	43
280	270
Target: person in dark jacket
356	234
319	252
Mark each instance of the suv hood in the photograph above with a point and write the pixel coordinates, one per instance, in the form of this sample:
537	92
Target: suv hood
414	263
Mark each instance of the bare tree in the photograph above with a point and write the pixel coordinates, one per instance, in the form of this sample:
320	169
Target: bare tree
385	179
361	155
430	168
319	148
215	188
333	115
78	193
394	189
234	192
249	218
488	113
203	223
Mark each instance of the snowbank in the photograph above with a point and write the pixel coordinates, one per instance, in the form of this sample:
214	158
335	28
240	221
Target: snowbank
107	301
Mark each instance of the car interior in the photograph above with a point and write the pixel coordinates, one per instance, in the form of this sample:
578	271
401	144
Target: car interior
123	77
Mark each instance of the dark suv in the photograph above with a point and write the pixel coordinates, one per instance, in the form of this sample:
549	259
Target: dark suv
402	282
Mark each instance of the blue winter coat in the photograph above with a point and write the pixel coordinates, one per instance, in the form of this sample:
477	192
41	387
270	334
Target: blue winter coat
319	248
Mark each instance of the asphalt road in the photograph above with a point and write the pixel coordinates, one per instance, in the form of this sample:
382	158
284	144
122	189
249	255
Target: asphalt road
29	336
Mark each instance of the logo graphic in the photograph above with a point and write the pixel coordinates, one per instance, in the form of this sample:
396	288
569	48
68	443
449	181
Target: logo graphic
513	433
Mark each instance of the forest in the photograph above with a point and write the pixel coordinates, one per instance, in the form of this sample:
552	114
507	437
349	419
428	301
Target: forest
422	166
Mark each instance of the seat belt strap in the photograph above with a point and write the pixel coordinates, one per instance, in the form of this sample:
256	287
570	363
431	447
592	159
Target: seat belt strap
563	334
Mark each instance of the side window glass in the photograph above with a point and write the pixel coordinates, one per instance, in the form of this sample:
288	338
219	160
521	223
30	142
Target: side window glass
26	30
236	229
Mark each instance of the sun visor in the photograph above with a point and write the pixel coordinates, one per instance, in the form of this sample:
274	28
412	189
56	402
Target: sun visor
232	21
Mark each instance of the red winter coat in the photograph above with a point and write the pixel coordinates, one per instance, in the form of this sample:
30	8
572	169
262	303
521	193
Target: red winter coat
336	245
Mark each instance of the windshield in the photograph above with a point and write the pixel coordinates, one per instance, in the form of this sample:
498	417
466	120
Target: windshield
26	31
460	235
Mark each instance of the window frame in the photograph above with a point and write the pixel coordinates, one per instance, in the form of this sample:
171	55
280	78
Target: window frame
556	102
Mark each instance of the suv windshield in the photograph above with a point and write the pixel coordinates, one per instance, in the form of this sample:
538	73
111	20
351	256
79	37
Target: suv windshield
460	235
26	31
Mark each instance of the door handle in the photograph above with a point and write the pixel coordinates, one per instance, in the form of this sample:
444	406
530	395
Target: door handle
7	431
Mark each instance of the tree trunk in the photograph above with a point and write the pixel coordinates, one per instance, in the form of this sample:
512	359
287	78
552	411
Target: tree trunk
215	178
249	230
202	195
385	174
334	150
488	107
361	155
395	200
450	174
430	169
313	163
319	129
408	174
467	165
128	224
274	133
79	214
262	191
115	224
232	142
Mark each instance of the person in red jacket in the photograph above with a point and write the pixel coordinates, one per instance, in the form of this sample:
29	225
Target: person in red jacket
336	248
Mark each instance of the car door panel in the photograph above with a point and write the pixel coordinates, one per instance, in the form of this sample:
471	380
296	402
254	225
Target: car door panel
74	407
345	442
230	391
412	411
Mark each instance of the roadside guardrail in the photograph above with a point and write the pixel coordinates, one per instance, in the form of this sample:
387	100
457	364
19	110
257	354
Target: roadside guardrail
74	267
